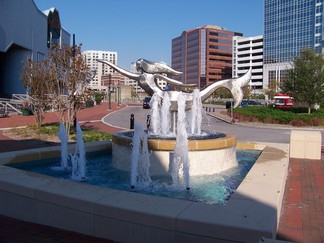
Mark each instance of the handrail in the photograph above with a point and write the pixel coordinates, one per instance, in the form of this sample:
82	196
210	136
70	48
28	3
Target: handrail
11	105
20	96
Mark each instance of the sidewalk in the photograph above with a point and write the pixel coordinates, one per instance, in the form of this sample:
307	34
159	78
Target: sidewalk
95	113
87	118
302	216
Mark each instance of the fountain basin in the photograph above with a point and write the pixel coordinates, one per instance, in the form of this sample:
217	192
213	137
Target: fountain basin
252	212
207	155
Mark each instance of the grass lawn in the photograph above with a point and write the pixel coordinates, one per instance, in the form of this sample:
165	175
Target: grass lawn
48	132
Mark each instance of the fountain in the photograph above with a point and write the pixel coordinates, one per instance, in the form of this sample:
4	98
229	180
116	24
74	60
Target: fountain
75	162
180	157
64	142
252	212
174	150
140	176
165	115
78	159
196	113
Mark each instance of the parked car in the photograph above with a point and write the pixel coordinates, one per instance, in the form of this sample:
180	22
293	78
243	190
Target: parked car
146	102
252	103
229	104
244	103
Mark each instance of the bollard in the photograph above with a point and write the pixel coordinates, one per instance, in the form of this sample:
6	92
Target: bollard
131	121
148	122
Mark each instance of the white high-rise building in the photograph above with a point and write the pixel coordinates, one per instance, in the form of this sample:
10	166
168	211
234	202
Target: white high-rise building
248	52
91	57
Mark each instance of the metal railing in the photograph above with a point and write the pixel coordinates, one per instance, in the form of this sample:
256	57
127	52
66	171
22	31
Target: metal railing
20	97
11	106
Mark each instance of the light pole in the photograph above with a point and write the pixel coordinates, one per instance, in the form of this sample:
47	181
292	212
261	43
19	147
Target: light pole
75	92
109	92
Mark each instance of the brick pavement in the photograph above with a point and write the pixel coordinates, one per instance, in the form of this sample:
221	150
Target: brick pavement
15	231
94	113
88	118
302	216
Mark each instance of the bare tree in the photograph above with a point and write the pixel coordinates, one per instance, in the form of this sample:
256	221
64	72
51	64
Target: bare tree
71	76
59	80
36	77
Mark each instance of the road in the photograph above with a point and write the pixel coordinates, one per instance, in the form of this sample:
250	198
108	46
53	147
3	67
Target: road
211	124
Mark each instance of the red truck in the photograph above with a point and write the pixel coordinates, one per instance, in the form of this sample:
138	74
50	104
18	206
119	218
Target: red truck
283	101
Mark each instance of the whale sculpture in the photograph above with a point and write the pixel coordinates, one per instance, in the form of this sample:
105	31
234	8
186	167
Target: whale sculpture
172	151
150	72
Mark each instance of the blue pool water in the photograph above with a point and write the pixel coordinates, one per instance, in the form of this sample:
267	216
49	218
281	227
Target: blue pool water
213	189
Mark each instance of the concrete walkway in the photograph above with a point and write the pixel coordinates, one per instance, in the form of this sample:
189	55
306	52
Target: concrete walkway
302	216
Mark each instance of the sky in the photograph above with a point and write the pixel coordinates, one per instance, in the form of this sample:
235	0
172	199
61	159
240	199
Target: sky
145	28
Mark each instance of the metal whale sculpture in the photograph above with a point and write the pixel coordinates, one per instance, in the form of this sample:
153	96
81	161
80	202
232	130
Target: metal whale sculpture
155	67
150	72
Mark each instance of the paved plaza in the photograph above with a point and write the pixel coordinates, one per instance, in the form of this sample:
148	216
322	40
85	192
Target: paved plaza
302	216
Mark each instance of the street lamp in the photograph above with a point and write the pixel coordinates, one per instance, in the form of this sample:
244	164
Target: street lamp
109	92
75	92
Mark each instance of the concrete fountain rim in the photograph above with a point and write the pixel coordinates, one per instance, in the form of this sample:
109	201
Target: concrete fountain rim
160	144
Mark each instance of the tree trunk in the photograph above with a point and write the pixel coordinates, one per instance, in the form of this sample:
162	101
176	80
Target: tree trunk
309	108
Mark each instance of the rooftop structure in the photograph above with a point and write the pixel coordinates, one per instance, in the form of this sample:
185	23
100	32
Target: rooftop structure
28	36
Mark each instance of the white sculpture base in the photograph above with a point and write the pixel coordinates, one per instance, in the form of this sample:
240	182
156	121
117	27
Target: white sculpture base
206	156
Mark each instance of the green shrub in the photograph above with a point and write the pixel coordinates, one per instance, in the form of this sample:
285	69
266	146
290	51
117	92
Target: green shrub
98	97
295	117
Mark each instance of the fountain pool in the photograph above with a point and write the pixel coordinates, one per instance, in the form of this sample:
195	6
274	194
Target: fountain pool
212	189
252	212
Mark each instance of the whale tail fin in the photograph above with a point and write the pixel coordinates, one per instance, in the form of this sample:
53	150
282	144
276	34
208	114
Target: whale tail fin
237	86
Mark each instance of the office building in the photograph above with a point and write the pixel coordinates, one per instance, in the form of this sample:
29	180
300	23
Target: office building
25	32
204	55
248	52
289	26
101	69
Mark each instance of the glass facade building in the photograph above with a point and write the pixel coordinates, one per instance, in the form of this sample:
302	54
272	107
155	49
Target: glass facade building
290	26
